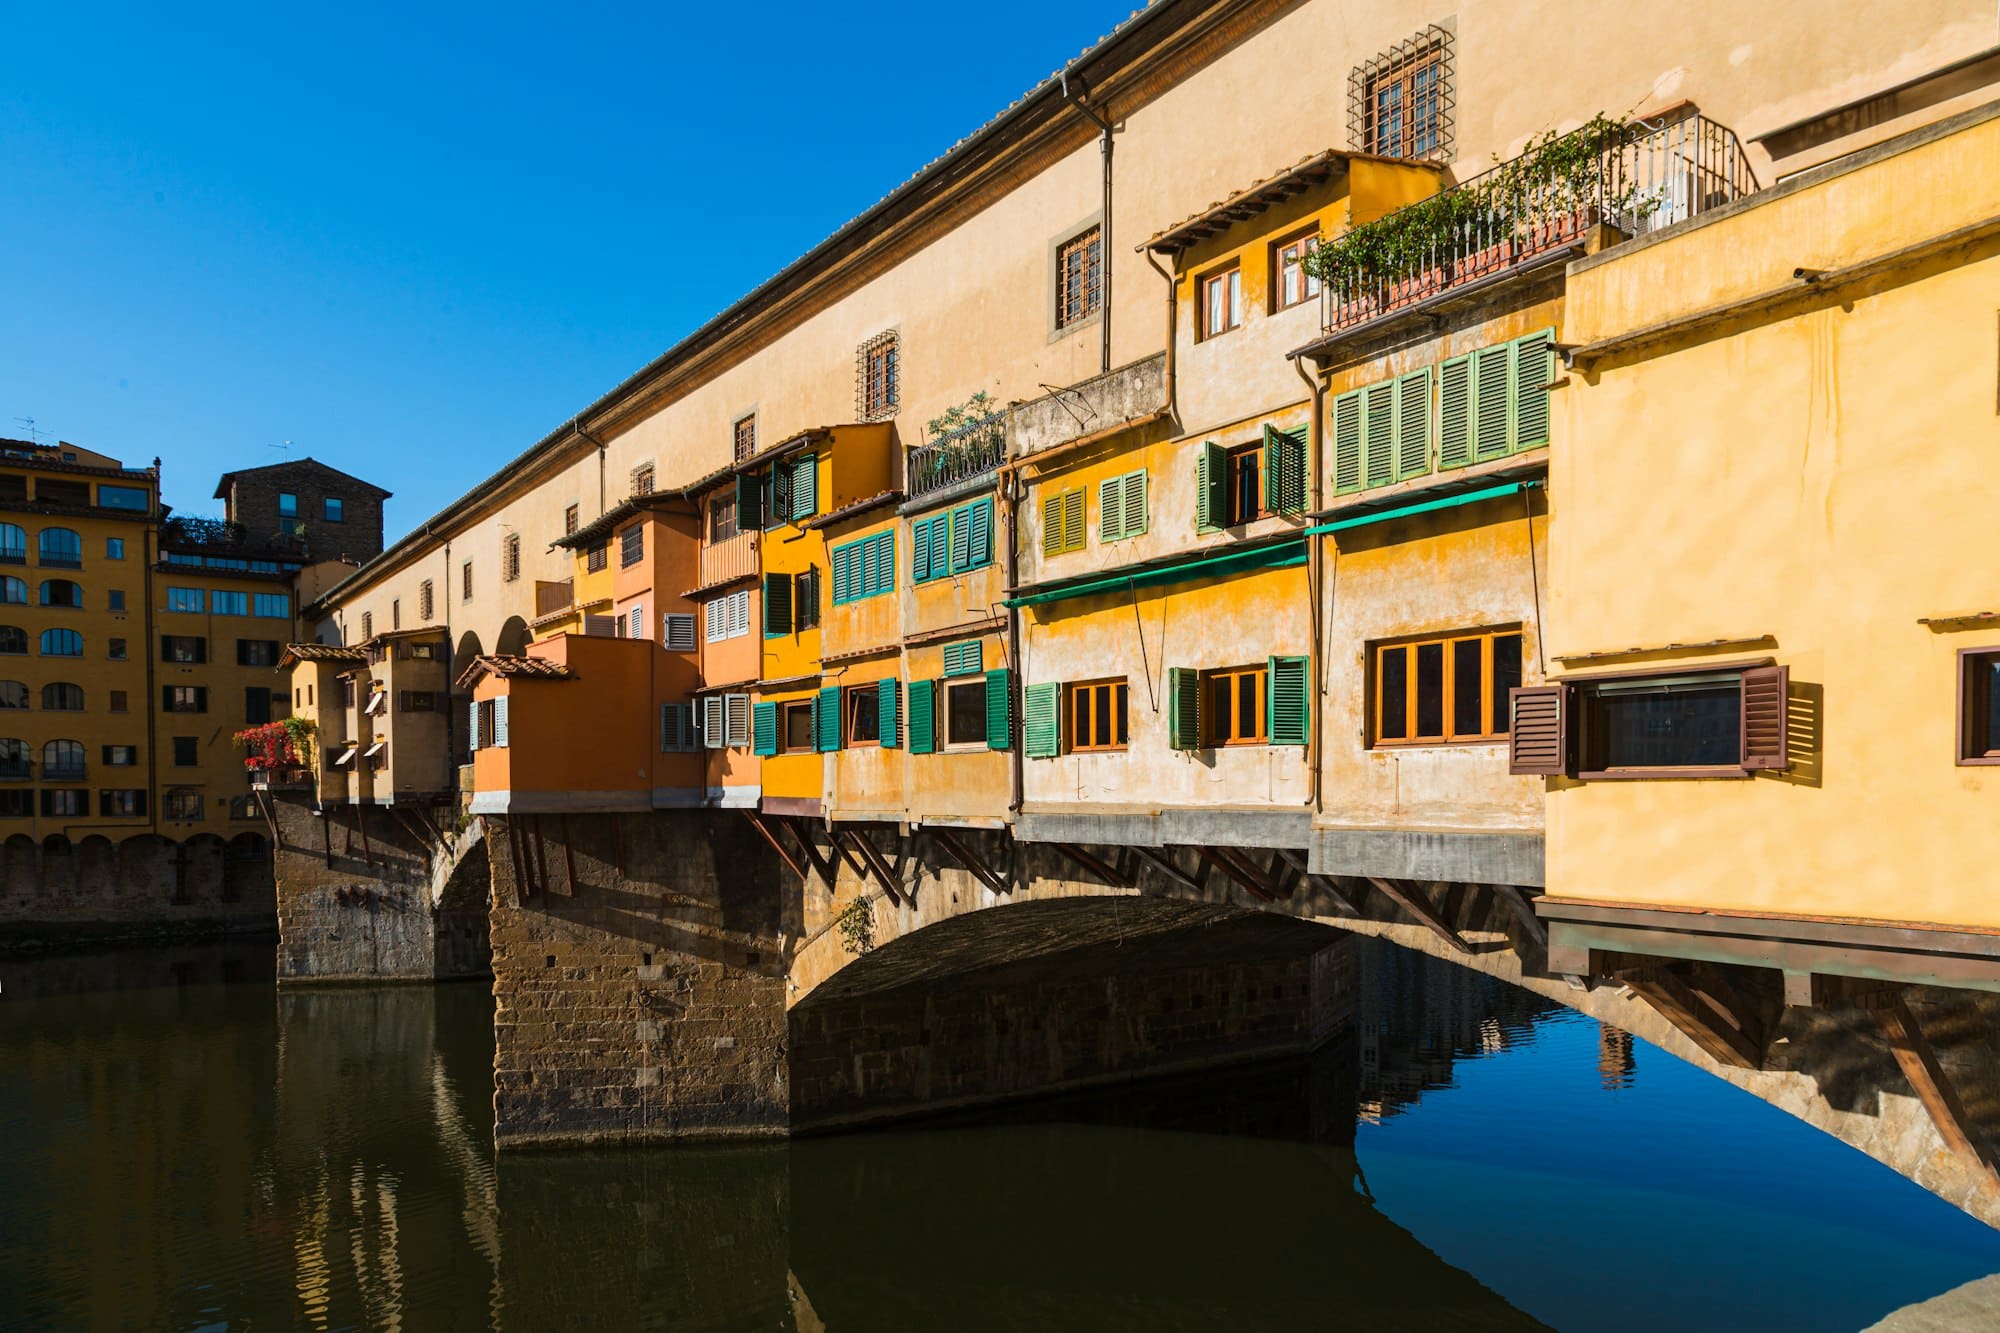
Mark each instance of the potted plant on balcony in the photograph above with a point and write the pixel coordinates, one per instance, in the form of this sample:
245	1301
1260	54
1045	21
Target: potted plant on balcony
964	441
278	753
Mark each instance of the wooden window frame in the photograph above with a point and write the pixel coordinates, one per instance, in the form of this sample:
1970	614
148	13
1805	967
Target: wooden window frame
1402	68
631	545
426	601
465	581
1973	717
569	520
1583	694
850	706
785	710
1203	329
1306	241
1496	724
597	557
947	690
510	560
743	437
1082	701
721	526
1215	736
1240	459
1083	241
879	376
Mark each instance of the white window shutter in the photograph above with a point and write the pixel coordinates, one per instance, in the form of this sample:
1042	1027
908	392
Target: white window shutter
737	706
637	628
713	733
500	722
473	709
678	632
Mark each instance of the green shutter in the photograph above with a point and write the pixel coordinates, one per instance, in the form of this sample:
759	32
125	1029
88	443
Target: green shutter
920	550
1041	721
1135	503
888	691
1288	702
1347	443
1000	709
1285	470
866	574
1052	525
805	486
779	505
1455	412
1073	533
967	658
1111	509
1413	424
749	502
1492	402
777	605
923	717
1378	428
1534	371
764	729
1183	708
1211	488
940	546
843	576
826	719
979	516
961	540
884	572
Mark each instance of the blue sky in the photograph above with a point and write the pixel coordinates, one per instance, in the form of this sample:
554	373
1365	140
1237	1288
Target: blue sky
412	243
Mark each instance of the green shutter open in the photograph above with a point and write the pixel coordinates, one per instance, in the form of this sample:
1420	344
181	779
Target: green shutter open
1041	720
961	540
999	709
778	504
764	729
888	692
1347	443
1413	424
826	719
1534	372
1285	469
940	546
749	502
805	486
1211	488
1455	412
923	717
1492	402
1288	702
1135	503
1183	708
979	519
842	559
1378	429
1111	509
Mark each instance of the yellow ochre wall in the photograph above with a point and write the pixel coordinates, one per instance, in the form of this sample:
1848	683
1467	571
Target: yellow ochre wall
1822	474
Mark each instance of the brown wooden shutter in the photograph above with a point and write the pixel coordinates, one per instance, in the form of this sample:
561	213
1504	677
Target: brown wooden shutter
1538	743
1764	741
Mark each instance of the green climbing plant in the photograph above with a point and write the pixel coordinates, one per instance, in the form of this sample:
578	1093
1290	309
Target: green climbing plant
856	924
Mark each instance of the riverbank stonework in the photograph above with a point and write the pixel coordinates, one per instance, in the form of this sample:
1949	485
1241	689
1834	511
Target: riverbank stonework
64	892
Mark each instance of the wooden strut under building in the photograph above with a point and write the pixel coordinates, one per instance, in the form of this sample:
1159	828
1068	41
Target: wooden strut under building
1417	903
1705	1006
964	855
824	867
1933	1086
890	880
756	819
1165	865
1111	875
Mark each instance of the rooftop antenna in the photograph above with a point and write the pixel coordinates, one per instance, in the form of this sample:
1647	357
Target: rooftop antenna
34	435
286	446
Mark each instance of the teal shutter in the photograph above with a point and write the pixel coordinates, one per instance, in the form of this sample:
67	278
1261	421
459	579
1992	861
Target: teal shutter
777	605
1287	701
1000	709
749	501
1534	371
826	719
961	539
1455	412
1347	443
1211	489
1135	503
1111	509
1492	401
885	563
778	507
866	556
1041	721
1183	708
920	550
979	515
940	546
1378	428
764	729
888	692
923	717
843	575
805	486
1413	424
965	659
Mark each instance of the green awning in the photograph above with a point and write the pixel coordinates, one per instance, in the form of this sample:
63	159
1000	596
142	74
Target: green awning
1279	555
1423	507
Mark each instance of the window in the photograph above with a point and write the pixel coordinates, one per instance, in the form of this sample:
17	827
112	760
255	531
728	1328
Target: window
116	599
61	643
13	590
1121	506
333	509
1221	301
185	648
185	599
13	694
423	650
1080	277
1669	723
62	697
61	592
1400	103
1979	706
1063	521
864	568
1232	706
795	722
632	546
70	801
569	521
14	544
256	705
62	761
596	556
953	541
115	649
510	559
121	756
1445	690
1487	404
1097	716
288	505
125	802
17	804
677	632
60	548
862	706
367	625
1291	284
736	725
465	581
244	807
114	548
182	805
184	698
187	752
727	617
879	369
642	479
13	639
120	703
721	519
134	498
395	613
967	657
805	600
677	733
744	432
965	712
426	603
419	701
791	603
257	652
229	603
1243	481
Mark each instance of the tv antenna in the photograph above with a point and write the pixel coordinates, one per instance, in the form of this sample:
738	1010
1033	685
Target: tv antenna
286	446
34	435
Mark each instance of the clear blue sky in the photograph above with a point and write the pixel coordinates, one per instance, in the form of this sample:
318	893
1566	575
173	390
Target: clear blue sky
413	240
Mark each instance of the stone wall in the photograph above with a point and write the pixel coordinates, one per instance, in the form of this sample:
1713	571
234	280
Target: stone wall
639	976
57	890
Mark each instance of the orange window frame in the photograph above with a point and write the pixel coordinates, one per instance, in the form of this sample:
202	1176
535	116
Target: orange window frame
1231	315
1494	724
1288	258
786	711
1223	694
1091	700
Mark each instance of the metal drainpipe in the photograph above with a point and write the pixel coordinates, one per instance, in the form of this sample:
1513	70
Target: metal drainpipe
151	555
1009	511
584	435
1315	582
1080	100
1173	331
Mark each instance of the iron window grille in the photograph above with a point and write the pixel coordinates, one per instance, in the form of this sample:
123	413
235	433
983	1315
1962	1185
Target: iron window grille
1080	277
1402	102
745	432
878	369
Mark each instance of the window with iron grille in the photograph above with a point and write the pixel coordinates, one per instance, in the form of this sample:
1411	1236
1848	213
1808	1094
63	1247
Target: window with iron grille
510	559
465	580
746	437
395	613
597	556
367	624
425	603
632	547
642	479
569	520
1080	277
879	368
1400	103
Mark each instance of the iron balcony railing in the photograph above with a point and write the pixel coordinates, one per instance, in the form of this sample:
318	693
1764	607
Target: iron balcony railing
1630	178
64	772
972	450
14	770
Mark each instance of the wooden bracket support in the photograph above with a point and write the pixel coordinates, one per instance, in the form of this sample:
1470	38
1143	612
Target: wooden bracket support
848	858
1524	912
1165	866
1343	904
965	857
757	822
1934	1088
1104	871
890	880
1236	870
1414	901
825	869
1706	1011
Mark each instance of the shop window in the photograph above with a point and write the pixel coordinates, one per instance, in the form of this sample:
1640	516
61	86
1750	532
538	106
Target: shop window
1444	690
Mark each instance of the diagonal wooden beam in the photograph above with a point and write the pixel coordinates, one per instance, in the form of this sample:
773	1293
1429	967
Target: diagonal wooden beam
852	861
1524	912
1166	867
1342	903
757	822
1412	900
1236	870
892	883
801	827
1696	1015
1934	1088
965	857
1109	874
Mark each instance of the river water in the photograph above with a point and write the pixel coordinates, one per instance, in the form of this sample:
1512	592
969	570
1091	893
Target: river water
185	1147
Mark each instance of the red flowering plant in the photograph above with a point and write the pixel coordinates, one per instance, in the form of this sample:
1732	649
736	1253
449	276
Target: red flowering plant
276	746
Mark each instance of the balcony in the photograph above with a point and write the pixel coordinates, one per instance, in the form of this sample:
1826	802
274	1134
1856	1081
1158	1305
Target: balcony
67	772
553	597
733	557
967	451
1604	182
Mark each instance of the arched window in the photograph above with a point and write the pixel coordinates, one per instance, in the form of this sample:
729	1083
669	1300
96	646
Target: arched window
61	643
60	547
61	592
13	639
13	590
13	758
13	544
62	760
62	697
13	694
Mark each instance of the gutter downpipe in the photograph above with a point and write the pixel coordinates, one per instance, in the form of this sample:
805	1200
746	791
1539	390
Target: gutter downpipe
1010	486
1080	100
1172	404
1315	582
588	438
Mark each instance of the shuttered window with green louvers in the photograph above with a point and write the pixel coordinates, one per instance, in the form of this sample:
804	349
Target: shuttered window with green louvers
826	719
1184	708
1285	469
1121	506
923	717
777	605
749	501
1289	700
778	495
1494	402
805	486
764	729
887	720
999	709
1382	433
966	658
1062	522
1041	721
1211	488
865	568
